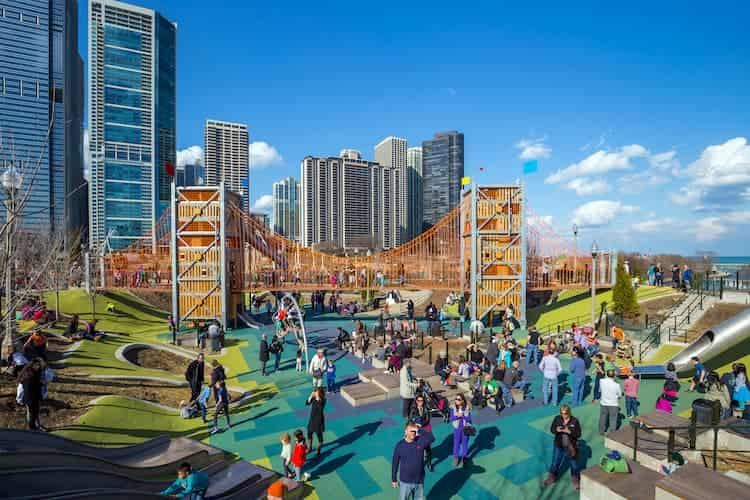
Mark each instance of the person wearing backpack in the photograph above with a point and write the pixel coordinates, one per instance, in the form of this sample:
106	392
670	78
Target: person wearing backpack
194	376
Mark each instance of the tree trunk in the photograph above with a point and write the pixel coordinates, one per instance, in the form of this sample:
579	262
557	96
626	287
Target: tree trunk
57	304
93	306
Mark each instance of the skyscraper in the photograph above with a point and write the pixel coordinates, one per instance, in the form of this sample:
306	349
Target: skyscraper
391	153
132	117
442	170
414	197
286	208
41	83
226	157
347	201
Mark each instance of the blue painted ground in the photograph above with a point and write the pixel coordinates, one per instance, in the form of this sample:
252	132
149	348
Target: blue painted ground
510	454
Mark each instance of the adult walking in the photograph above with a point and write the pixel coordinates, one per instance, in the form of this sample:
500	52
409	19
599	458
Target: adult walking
277	347
492	354
316	425
420	415
263	354
532	346
550	368
410	309
609	406
577	375
460	417
31	378
317	368
407	465
567	432
407	388
194	375
222	405
217	375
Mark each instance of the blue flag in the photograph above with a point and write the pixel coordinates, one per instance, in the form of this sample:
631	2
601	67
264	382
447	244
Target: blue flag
530	166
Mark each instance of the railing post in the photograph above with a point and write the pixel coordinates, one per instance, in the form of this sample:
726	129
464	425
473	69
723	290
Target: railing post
635	443
721	289
430	353
646	325
716	445
670	444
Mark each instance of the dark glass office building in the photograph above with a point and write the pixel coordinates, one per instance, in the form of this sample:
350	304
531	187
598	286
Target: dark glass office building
132	112
442	170
41	83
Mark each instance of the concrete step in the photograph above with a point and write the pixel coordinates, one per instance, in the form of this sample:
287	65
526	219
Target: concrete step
597	484
362	394
367	375
389	383
652	448
696	482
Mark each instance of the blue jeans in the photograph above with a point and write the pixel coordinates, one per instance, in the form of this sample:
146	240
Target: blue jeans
331	383
203	412
549	385
532	353
558	456
578	385
277	362
412	491
597	388
507	396
631	406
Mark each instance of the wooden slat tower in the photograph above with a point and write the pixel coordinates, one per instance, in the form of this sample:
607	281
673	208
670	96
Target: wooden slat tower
493	249
206	254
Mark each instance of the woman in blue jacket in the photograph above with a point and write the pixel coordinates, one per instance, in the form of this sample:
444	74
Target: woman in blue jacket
460	416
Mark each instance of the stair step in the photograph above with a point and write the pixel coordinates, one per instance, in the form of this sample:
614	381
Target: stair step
652	448
362	394
389	383
638	485
696	482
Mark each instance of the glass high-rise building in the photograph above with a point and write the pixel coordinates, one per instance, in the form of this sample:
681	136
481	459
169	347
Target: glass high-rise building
41	84
391	153
442	170
132	113
226	157
286	208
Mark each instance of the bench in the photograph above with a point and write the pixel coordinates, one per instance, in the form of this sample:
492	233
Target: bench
695	482
638	485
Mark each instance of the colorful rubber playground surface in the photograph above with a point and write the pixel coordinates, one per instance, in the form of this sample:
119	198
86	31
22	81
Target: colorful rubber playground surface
509	455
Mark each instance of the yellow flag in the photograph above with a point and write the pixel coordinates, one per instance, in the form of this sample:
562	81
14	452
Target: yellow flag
465	181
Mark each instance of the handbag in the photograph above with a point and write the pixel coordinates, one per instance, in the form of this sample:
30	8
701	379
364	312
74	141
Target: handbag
469	430
572	449
318	373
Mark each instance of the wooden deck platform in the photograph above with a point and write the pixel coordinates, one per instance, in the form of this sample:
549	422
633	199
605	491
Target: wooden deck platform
696	482
597	484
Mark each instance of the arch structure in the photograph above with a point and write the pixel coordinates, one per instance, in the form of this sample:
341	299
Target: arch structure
300	333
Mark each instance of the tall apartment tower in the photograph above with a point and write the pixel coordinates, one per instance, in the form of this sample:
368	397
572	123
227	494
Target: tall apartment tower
414	196
132	120
226	157
442	170
391	153
347	201
286	208
41	83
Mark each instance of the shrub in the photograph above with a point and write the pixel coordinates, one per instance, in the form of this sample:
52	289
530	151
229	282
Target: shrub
623	294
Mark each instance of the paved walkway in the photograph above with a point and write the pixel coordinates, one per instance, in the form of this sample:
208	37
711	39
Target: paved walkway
510	454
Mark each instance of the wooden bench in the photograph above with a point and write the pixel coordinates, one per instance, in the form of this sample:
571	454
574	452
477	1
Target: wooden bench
362	394
664	419
728	439
652	447
597	484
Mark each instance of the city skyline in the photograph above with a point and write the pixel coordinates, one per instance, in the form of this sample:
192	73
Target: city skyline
634	135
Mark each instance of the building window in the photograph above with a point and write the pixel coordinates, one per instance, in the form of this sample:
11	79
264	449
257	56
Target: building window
16	16
57	95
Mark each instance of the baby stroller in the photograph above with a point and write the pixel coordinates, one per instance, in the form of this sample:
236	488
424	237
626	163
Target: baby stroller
435	404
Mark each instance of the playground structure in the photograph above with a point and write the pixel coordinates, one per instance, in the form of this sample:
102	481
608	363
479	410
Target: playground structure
210	253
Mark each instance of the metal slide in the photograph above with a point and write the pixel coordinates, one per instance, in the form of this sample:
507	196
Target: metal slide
715	342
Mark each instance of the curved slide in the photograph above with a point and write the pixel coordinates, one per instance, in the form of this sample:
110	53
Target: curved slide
715	342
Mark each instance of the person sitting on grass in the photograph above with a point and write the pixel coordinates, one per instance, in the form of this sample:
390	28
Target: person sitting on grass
111	307
189	484
36	345
72	329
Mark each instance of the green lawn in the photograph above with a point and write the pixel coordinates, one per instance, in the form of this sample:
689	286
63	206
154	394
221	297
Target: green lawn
572	304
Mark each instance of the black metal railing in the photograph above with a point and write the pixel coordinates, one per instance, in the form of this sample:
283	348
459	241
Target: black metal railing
692	429
677	326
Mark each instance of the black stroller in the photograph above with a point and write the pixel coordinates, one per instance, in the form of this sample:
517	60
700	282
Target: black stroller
435	404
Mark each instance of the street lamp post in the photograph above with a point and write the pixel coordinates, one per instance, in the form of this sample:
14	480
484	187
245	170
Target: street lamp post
11	181
594	254
575	253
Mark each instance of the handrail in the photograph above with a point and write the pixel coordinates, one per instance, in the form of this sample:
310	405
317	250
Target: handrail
692	429
695	304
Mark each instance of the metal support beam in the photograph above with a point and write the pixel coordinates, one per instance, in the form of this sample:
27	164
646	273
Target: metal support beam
223	252
474	252
524	254
175	260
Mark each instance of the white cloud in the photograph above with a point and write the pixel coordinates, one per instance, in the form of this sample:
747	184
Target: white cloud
264	203
720	177
533	149
637	182
583	186
666	162
653	225
600	163
190	156
86	156
710	229
263	154
540	220
600	212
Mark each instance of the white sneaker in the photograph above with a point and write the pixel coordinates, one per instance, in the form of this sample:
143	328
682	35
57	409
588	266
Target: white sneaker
306	476
215	430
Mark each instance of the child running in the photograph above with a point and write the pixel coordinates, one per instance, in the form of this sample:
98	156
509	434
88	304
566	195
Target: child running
331	376
286	454
299	456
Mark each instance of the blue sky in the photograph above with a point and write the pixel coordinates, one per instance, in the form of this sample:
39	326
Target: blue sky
638	114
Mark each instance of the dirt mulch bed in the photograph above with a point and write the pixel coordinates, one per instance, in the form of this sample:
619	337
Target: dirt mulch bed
157	298
71	392
712	317
656	309
158	359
